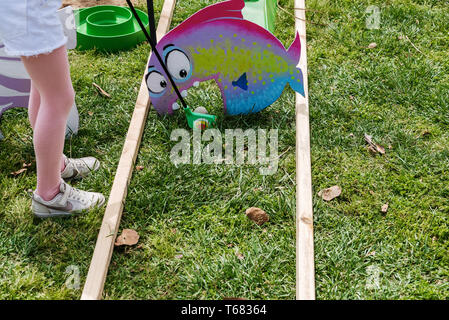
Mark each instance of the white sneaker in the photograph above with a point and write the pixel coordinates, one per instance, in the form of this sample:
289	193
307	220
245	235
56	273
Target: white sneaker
66	203
79	168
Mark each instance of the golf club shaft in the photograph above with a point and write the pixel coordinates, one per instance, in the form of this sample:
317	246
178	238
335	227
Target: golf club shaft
150	10
156	52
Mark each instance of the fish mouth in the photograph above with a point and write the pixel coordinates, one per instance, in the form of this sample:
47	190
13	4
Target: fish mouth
176	104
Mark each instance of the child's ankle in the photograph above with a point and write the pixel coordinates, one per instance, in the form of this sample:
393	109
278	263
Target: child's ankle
63	163
50	194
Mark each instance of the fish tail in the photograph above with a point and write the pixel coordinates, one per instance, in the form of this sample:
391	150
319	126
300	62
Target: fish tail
294	52
296	78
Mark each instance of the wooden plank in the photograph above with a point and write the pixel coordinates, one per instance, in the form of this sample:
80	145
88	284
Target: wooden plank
93	288
305	265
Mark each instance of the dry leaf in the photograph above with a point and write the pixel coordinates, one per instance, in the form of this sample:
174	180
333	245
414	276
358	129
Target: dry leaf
139	168
371	254
102	92
257	215
372	45
178	256
373	147
16	173
26	165
239	256
129	237
90	113
384	208
330	193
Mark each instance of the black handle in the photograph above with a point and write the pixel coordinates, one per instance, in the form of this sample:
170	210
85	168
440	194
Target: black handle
153	47
151	21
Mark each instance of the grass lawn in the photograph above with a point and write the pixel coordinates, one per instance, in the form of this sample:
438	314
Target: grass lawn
398	92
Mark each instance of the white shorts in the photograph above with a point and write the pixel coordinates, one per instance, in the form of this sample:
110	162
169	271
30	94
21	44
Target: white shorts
30	27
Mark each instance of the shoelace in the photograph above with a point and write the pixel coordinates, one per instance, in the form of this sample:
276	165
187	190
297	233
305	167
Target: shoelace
79	163
77	194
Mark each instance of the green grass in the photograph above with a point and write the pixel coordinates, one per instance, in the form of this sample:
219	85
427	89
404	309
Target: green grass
393	92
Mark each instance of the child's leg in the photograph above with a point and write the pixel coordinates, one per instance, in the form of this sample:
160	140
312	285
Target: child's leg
51	77
33	105
33	110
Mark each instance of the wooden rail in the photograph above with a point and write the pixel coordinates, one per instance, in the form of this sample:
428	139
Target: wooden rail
305	265
96	277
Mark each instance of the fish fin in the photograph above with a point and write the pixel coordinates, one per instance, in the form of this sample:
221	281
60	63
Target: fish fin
222	10
242	82
294	52
296	82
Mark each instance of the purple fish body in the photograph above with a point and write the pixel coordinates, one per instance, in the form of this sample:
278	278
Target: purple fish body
249	64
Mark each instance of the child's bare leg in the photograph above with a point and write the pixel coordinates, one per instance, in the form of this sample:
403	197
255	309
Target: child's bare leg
33	110
51	78
33	105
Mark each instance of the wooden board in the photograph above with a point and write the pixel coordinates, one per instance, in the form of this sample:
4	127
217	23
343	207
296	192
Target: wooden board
305	265
93	288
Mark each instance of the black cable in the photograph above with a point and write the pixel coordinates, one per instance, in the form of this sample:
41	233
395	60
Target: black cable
153	47
151	21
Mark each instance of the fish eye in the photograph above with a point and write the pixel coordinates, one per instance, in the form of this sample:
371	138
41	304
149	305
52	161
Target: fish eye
178	64
156	82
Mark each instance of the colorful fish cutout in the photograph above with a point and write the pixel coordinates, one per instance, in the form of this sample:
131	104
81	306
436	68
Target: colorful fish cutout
250	65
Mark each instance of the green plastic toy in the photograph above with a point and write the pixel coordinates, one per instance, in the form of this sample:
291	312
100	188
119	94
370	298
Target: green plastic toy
261	12
109	28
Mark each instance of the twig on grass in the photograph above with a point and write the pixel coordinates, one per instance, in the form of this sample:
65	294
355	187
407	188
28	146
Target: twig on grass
416	48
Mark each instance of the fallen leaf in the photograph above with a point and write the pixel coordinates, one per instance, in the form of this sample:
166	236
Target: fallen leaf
26	165
178	256
371	254
330	193
239	256
257	215
90	113
16	173
129	237
102	92
139	168
372	45
373	147
384	208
